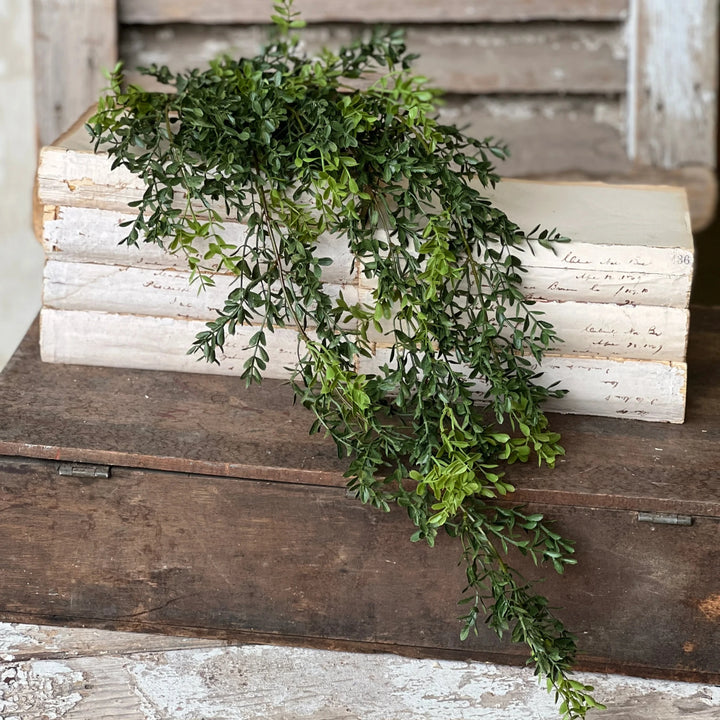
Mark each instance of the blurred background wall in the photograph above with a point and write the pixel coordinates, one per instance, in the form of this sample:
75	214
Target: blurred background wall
20	254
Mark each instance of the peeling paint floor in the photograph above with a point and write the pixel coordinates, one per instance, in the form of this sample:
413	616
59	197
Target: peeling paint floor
51	673
54	673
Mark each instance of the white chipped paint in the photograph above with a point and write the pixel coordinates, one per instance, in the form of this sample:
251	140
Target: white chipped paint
44	689
280	683
613	114
675	32
51	668
671	81
242	682
11	638
275	683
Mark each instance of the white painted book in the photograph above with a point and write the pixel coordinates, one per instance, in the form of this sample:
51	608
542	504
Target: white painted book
630	244
149	280
617	294
653	391
638	332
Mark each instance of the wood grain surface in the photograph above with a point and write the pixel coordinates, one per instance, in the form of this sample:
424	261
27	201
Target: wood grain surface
73	44
372	11
673	121
221	557
515	58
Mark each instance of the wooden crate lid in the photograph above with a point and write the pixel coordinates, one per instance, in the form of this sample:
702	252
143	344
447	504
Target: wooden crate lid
212	425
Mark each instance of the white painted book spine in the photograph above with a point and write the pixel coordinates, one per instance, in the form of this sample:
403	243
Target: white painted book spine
91	235
606	387
631	244
579	272
145	291
647	390
605	330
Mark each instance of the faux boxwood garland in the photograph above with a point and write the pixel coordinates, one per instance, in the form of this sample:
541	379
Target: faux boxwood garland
290	147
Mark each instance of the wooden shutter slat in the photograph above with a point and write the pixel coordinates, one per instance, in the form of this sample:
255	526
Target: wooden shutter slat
535	58
371	11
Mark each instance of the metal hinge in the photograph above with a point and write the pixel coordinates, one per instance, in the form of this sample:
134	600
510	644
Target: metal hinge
664	518
84	470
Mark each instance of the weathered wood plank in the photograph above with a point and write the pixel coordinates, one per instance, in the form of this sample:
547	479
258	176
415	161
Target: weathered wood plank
673	88
268	571
73	43
372	11
645	390
547	135
536	58
270	682
150	550
21	642
39	423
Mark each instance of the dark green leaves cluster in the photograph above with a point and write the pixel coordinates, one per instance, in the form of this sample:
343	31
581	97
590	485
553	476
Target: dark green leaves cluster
347	145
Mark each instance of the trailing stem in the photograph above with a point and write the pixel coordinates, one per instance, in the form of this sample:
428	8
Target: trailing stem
423	369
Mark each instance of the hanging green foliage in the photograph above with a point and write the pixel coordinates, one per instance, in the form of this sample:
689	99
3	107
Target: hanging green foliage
349	144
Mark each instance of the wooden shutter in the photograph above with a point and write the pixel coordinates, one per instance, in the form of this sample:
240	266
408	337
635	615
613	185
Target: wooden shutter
615	90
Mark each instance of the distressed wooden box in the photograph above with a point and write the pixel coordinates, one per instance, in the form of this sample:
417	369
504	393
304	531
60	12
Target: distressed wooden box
618	293
186	504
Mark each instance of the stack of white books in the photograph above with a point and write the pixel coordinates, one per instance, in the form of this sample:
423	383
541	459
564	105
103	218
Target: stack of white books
617	294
